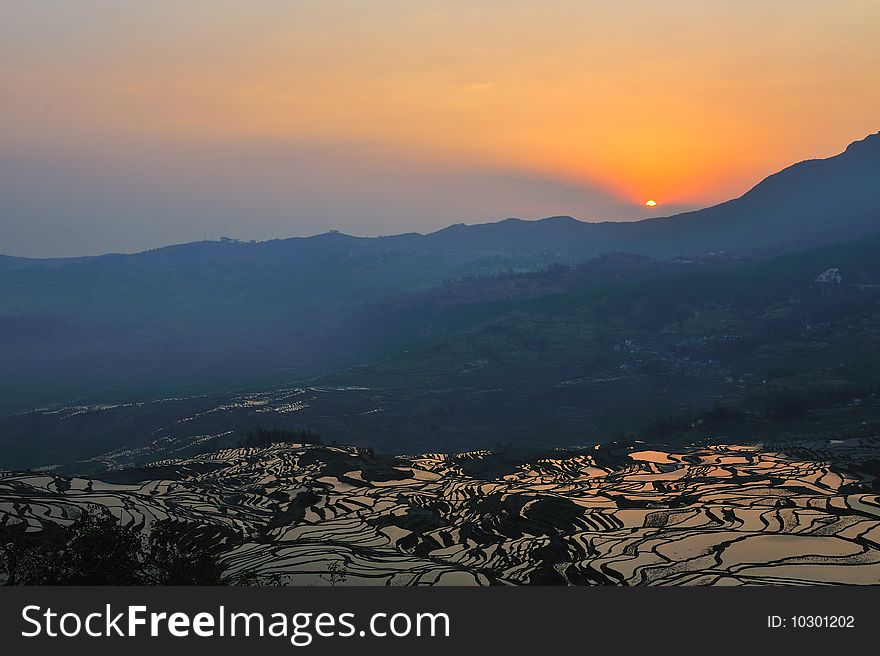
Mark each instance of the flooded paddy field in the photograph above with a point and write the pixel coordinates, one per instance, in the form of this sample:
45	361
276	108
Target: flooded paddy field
803	513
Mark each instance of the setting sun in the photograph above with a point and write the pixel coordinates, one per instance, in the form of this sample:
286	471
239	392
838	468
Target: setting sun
650	203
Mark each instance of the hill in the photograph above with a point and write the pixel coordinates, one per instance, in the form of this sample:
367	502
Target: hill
211	316
621	346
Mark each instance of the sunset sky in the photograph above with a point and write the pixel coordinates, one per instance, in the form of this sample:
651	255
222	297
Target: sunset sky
126	124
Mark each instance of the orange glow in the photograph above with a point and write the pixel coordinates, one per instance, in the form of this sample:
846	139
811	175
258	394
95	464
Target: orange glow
697	115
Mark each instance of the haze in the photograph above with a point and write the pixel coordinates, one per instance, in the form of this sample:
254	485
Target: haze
129	125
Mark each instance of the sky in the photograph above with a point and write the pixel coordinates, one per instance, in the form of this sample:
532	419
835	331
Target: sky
127	125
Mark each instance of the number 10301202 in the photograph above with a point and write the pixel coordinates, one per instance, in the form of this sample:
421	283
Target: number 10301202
811	622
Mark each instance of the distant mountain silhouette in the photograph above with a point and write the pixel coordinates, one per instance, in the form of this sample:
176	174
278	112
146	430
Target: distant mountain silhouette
218	315
812	203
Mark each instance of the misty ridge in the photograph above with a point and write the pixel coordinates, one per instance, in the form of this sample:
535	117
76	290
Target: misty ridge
424	320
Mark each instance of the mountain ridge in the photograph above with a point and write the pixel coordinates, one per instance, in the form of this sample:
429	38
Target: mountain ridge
639	235
222	315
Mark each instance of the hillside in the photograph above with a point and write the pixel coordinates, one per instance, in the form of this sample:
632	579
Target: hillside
811	203
622	346
212	316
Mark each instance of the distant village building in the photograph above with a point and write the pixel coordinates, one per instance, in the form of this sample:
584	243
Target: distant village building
830	277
